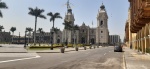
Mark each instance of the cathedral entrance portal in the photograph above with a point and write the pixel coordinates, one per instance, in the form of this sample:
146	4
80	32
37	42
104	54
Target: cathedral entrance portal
92	41
58	40
82	40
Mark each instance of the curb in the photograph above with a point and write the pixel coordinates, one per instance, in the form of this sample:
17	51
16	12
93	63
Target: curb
47	52
14	52
124	62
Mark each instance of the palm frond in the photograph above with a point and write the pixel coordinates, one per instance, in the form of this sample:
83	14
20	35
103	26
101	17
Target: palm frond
13	29
40	30
50	14
58	17
56	14
36	12
1	27
31	12
31	9
3	5
51	19
42	16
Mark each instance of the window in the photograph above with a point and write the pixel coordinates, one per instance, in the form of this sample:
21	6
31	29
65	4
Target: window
92	31
101	23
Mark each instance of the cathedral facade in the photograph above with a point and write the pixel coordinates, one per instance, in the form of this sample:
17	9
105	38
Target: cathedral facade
85	34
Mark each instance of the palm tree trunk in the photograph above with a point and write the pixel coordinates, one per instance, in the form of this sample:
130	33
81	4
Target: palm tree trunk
12	37
35	30
74	37
52	36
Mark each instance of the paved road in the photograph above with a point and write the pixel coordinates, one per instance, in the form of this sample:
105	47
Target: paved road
100	58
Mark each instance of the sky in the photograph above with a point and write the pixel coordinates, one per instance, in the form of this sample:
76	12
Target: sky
84	11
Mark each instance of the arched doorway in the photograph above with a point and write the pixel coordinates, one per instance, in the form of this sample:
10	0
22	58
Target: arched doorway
92	41
82	40
58	40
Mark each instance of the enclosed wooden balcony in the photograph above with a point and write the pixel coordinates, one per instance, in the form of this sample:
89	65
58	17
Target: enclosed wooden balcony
140	14
144	9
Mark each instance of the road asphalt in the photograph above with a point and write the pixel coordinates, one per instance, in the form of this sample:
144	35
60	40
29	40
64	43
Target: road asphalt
99	58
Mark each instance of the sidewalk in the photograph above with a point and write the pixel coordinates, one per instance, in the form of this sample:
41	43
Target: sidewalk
16	49
56	50
136	60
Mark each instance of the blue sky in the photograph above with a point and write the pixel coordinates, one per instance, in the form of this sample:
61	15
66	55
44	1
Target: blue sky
84	11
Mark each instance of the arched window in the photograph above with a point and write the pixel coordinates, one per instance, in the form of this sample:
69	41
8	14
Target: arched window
82	30
101	23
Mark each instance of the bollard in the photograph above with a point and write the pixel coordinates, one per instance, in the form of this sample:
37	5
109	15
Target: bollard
84	47
97	46
90	47
62	50
76	48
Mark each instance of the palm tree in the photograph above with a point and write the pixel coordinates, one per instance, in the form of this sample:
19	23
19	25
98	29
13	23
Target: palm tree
29	30
1	28
2	6
12	29
40	30
52	18
37	13
56	30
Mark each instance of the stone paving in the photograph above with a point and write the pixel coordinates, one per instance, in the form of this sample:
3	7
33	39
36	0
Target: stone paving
136	60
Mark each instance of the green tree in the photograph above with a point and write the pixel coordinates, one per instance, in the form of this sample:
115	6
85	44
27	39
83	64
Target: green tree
52	18
1	28
56	30
12	29
2	6
37	13
29	35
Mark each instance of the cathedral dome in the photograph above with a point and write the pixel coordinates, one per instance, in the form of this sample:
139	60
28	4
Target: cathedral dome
102	6
69	10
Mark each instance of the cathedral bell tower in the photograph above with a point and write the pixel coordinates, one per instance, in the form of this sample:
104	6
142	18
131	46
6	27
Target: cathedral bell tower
102	32
69	17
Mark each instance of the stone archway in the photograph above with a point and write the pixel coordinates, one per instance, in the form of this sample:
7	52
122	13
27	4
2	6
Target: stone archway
58	40
147	37
142	40
92	41
83	40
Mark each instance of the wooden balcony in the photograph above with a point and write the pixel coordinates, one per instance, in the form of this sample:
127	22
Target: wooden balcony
144	10
134	28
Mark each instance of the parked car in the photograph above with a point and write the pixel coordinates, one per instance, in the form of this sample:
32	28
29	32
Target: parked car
117	48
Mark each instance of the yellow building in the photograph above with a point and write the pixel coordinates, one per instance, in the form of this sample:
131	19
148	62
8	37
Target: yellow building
137	27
